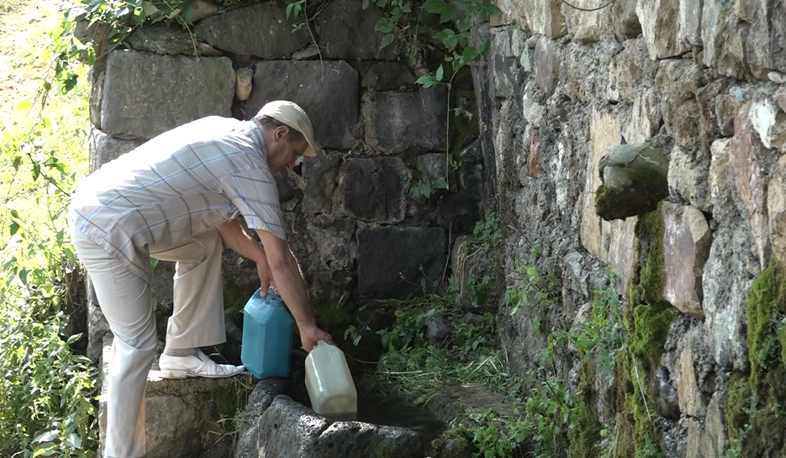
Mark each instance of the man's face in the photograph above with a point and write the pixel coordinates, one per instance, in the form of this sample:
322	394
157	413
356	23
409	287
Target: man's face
283	153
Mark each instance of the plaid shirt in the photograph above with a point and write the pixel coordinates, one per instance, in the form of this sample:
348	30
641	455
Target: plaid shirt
175	186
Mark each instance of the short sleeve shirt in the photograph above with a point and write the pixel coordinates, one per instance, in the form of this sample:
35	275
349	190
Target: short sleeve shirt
177	185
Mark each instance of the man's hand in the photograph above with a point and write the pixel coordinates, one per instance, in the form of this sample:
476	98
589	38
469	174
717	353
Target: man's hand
265	276
311	335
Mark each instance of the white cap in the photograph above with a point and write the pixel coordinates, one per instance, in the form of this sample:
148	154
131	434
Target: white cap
293	116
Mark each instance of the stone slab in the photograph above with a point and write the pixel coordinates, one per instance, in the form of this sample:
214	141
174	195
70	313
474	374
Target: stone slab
347	31
146	94
686	247
328	91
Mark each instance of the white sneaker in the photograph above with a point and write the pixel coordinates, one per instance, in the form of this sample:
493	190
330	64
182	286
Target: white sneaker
180	367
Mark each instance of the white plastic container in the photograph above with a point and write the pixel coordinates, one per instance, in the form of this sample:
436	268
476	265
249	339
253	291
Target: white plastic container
329	382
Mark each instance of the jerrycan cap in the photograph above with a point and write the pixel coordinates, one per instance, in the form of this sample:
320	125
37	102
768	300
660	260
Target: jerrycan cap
272	298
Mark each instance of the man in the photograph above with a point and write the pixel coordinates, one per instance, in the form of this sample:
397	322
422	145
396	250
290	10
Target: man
175	198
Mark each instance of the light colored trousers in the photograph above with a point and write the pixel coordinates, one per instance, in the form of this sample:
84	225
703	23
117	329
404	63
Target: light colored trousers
197	321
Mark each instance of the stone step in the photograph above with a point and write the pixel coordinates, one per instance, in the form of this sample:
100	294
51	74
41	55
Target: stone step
194	418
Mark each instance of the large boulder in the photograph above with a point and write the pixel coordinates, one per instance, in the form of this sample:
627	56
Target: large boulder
146	94
327	91
347	31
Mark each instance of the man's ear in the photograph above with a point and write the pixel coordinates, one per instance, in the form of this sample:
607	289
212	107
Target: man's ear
281	132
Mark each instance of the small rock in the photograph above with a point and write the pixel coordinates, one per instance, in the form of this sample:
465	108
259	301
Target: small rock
208	51
245	77
777	77
201	9
474	318
438	331
308	53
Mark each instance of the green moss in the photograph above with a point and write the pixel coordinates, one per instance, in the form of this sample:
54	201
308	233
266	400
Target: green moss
378	451
453	443
766	304
649	230
585	433
737	405
651	328
228	401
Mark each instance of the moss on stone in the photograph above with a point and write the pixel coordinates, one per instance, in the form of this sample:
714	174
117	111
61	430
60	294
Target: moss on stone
585	433
766	304
737	405
453	443
647	188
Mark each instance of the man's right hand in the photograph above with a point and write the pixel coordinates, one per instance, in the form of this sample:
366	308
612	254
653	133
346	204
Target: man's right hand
265	276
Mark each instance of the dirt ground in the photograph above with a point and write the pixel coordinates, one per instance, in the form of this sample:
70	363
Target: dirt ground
24	26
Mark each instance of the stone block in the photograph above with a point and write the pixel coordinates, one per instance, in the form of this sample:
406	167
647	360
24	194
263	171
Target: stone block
545	17
660	26
182	416
630	69
720	182
327	91
319	175
725	283
723	40
259	400
625	21
546	65
678	81
388	76
105	148
587	26
686	247
347	31
503	63
688	391
146	94
166	39
769	121
262	30
645	119
373	189
393	260
244	83
201	9
776	211
399	121
766	41
612	242
289	429
689	29
689	178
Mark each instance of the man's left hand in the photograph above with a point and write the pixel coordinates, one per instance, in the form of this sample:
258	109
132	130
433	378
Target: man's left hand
265	276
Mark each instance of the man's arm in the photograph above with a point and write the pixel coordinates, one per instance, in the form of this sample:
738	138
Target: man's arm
292	288
239	241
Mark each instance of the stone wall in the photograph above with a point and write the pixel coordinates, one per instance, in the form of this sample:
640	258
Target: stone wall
351	221
705	79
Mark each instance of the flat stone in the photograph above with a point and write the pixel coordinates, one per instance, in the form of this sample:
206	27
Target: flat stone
725	282
751	187
766	41
260	30
347	31
390	260
717	110
689	30
612	242
660	26
645	119
244	83
503	65
690	399
722	38
721	182
388	76
686	247
201	9
713	437
628	69
319	175
545	17
769	121
626	22
162	39
546	65
373	189
587	26
776	211
327	91
146	94
398	121
688	178
678	81
105	148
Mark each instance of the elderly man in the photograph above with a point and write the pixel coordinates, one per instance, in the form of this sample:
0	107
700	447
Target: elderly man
175	198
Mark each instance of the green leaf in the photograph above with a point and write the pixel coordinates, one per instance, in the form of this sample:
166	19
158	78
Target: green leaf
23	106
14	227
468	55
47	436
434	6
440	73
365	4
149	9
289	9
426	81
386	40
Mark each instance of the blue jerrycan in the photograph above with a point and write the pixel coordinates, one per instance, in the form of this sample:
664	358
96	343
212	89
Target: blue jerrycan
267	336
